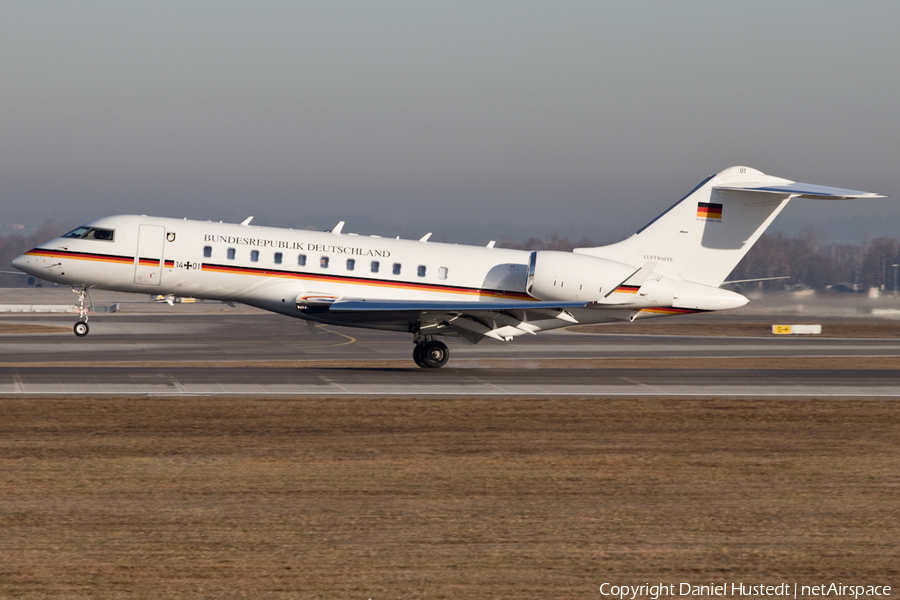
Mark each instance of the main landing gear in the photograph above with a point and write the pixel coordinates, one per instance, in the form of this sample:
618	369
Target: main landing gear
431	354
81	327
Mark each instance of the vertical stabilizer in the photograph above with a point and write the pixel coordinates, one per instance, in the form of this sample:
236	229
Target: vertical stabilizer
705	234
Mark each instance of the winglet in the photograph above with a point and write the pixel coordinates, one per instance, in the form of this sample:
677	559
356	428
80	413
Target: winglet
425	237
246	221
337	228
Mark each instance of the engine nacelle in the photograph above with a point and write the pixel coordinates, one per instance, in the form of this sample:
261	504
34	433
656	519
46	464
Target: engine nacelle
565	276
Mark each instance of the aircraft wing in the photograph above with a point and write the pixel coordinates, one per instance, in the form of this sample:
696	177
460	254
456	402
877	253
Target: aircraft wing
439	306
471	321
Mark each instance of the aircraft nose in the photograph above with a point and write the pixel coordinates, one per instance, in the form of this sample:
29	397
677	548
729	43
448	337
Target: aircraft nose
21	263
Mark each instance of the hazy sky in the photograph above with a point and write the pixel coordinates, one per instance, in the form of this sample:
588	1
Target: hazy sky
470	119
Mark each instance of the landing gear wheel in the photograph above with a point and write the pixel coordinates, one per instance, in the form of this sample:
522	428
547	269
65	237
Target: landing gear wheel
434	354
81	329
417	356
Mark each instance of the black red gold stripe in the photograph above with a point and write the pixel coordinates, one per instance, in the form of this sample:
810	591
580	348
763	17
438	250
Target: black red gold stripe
671	310
108	258
380	283
709	210
628	289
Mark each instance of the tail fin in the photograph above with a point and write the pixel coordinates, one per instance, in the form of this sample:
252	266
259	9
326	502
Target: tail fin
705	234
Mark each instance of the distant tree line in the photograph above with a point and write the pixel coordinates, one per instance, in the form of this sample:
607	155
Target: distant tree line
806	261
818	265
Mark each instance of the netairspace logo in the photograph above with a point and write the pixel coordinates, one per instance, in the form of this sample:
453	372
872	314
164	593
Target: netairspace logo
781	590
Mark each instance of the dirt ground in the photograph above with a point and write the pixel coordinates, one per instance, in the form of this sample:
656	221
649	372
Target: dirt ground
463	498
18	328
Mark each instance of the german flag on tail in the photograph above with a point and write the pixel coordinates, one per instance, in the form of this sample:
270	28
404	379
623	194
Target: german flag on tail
709	210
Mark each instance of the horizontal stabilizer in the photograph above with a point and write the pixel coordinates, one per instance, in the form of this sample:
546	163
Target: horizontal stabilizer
800	190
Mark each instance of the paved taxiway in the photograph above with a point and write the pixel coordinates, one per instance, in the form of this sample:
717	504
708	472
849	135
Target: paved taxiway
248	354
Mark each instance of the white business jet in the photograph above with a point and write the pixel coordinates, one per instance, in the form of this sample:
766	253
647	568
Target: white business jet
672	266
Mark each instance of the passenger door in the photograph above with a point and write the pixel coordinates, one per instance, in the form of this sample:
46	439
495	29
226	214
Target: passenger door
148	262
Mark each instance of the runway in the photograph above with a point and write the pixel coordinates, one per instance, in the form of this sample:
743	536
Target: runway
268	355
248	381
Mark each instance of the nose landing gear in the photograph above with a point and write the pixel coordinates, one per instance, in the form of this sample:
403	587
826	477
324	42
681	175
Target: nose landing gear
81	327
431	354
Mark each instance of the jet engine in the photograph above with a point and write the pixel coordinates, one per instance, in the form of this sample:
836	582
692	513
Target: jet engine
564	276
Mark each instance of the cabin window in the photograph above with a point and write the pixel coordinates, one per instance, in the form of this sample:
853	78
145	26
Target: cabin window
421	271
254	255
92	233
278	258
323	262
207	251
442	273
230	254
375	265
351	264
396	268
301	260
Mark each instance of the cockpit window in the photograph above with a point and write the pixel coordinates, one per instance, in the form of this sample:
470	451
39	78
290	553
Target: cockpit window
92	233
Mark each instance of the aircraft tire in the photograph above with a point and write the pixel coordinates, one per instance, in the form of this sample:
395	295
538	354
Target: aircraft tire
435	354
417	356
81	329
